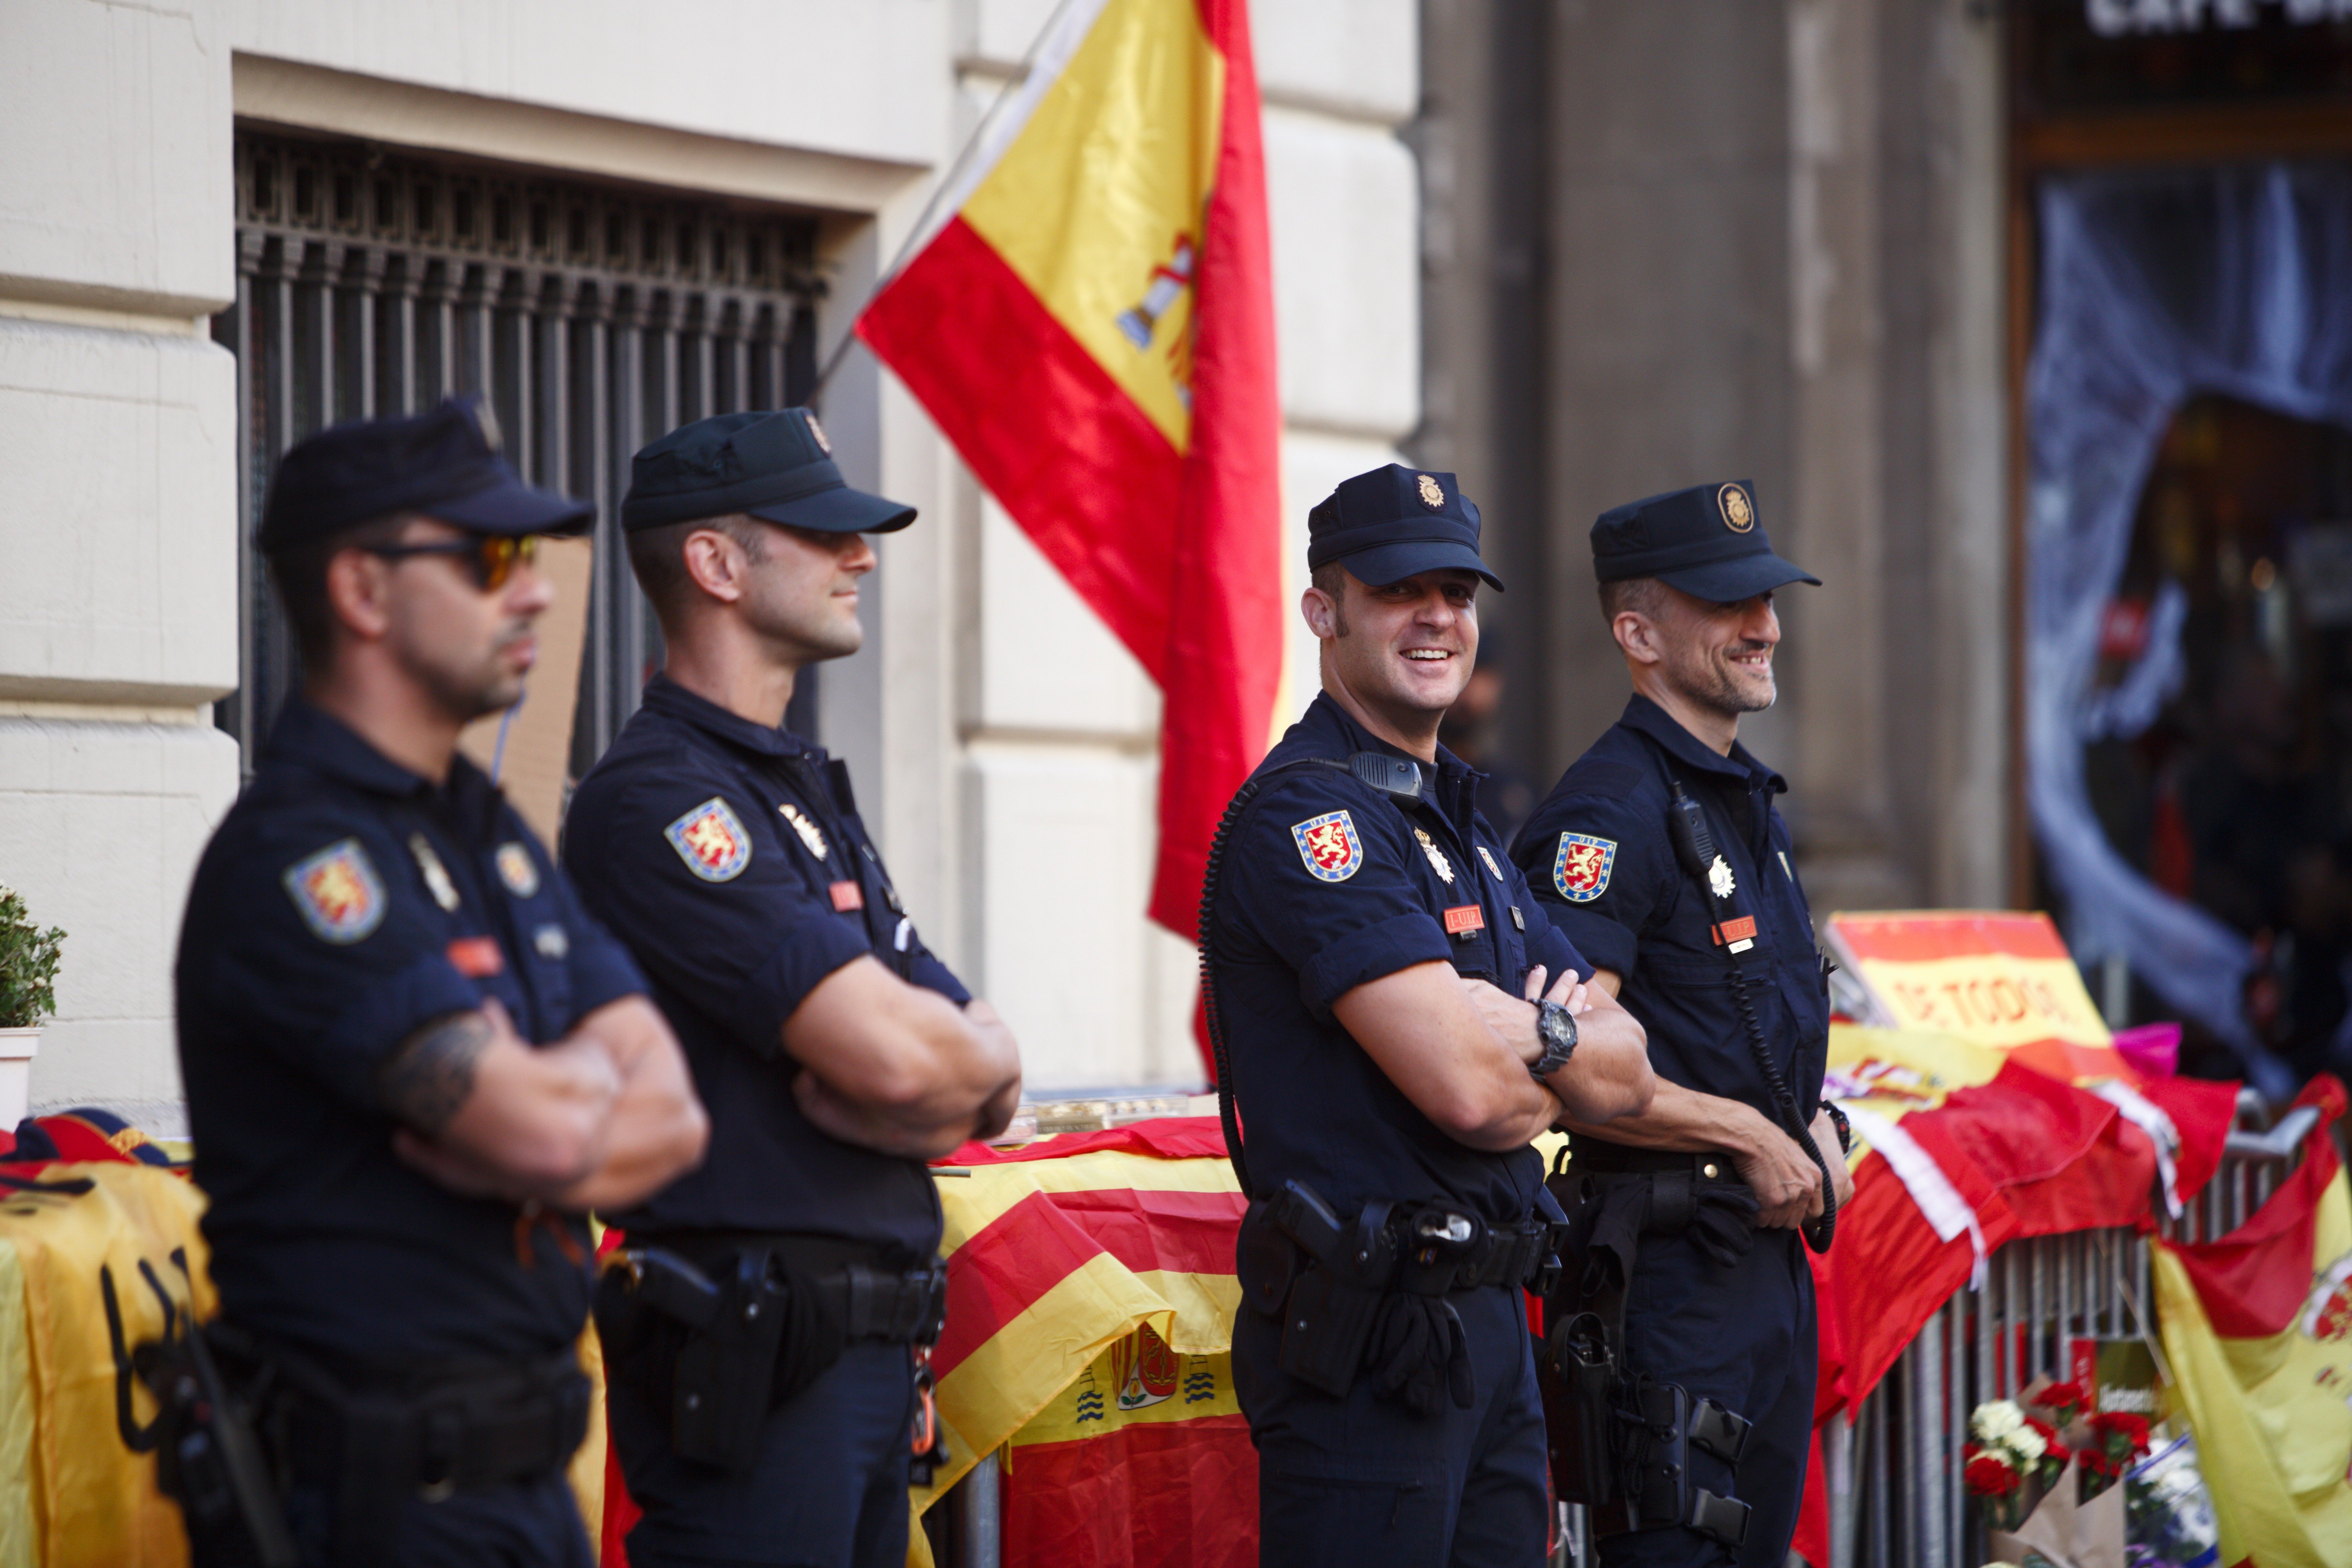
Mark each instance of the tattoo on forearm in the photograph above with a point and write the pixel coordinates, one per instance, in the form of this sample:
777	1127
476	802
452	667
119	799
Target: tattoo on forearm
427	1082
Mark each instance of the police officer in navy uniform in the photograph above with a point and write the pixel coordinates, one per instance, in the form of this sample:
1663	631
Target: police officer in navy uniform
1686	585
835	1052
412	1061
1398	1020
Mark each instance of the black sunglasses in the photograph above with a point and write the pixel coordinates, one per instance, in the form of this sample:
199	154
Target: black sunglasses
495	556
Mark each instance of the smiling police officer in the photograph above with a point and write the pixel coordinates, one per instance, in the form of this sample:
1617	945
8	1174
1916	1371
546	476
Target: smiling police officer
768	1328
1378	992
1661	856
412	1061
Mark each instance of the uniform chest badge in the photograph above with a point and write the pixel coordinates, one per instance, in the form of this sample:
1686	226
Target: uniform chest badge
1718	878
1330	845
518	870
811	833
711	841
1437	859
338	892
437	875
1580	870
1489	859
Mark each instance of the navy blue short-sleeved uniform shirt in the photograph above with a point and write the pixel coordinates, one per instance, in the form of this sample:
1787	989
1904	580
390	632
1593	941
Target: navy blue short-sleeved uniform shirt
732	858
344	903
1328	883
1598	854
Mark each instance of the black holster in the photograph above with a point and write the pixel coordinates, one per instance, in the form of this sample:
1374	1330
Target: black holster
1619	1439
746	1325
1375	1287
209	1460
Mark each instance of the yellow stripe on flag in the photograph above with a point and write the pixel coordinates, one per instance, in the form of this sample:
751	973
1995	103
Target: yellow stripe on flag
1114	168
2274	1432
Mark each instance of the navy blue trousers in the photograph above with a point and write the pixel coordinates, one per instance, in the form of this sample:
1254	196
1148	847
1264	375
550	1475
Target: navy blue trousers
526	1524
829	1489
1362	1482
1743	1335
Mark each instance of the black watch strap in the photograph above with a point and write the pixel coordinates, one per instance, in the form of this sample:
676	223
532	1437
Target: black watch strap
1556	1026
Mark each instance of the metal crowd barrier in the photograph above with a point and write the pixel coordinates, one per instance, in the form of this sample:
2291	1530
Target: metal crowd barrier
1894	1474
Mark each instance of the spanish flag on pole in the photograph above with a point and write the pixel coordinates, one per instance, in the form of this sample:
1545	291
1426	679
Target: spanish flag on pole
1090	320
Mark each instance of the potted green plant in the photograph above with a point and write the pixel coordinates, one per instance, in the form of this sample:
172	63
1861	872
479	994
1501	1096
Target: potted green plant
28	994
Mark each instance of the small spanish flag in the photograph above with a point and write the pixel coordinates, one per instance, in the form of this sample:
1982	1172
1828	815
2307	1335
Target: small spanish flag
1091	322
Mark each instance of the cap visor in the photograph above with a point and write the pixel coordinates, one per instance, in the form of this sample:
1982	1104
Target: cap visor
1742	577
514	507
1386	564
843	510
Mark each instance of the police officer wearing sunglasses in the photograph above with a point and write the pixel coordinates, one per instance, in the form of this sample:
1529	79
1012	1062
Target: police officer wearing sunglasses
768	1327
413	1061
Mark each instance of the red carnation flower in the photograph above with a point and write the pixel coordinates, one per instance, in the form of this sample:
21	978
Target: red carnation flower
2063	1396
1988	1476
2122	1428
2049	1433
2100	1464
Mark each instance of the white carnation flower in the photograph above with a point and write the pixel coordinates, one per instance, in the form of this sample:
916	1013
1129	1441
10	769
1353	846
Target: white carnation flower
2026	1444
1996	1419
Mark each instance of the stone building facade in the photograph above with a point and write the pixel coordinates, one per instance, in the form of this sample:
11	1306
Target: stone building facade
1004	742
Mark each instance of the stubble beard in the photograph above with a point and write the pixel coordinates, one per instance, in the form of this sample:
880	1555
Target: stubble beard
1706	682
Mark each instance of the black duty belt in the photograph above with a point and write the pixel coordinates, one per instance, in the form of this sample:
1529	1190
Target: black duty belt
436	1429
1592	1157
874	1299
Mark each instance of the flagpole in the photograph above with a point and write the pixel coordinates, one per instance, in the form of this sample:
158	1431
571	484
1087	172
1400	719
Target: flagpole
947	182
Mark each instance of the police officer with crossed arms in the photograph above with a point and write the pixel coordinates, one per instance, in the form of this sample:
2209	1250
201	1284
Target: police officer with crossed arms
1395	1019
413	1062
768	1326
1661	853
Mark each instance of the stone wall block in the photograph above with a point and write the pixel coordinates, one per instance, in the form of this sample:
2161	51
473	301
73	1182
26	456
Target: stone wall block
120	553
1066	847
1354	57
114	157
1343	202
1047	661
100	827
867	79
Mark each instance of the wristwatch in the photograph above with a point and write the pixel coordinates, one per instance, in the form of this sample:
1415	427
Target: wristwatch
1556	1027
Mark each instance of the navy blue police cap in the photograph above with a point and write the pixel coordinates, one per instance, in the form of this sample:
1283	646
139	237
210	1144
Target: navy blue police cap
1395	522
1707	540
443	463
776	466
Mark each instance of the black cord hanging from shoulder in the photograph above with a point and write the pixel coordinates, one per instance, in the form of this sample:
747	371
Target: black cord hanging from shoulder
1694	847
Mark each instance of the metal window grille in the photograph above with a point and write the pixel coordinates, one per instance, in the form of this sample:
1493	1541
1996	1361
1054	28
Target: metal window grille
595	317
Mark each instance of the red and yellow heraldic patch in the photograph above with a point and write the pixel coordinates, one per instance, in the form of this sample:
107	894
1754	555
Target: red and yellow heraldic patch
711	841
338	892
1580	870
1330	845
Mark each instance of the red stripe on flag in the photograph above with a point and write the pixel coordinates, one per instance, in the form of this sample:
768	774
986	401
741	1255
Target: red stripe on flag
2255	1279
997	1274
1042	425
1916	939
1172	1494
1228	576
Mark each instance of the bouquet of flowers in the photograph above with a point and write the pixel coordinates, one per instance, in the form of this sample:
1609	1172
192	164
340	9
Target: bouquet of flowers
2118	1438
2011	1459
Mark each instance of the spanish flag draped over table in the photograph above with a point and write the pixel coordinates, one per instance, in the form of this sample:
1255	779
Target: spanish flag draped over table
1090	1304
1091	322
2258	1329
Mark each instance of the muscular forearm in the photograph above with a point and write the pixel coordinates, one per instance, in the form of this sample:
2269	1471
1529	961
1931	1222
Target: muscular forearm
656	1131
838	1116
1683	1119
